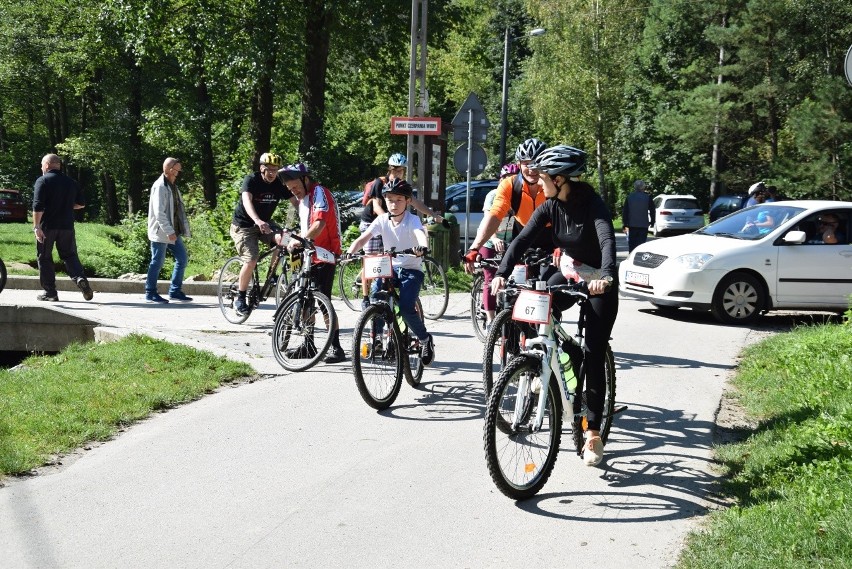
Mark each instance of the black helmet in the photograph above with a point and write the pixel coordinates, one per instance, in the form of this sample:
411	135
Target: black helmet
529	149
399	187
560	160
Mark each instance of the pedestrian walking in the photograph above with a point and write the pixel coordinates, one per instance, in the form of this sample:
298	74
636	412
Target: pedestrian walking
638	214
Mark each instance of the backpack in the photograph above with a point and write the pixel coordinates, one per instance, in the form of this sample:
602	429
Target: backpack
365	199
517	194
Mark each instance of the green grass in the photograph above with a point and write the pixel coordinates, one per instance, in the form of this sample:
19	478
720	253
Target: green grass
792	477
55	404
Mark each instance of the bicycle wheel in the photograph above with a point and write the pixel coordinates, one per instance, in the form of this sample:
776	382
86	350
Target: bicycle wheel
3	275
413	364
435	291
377	357
228	289
301	334
501	343
349	283
520	459
477	312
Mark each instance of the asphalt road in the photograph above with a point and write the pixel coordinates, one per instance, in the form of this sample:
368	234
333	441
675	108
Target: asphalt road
295	470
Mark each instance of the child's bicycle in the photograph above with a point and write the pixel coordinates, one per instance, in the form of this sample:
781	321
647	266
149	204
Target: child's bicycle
383	347
305	319
277	281
537	390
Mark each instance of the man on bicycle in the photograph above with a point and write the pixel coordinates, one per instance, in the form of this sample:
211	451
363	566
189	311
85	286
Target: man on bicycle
259	196
318	221
401	229
376	206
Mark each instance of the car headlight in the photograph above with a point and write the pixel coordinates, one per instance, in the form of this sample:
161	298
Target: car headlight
693	260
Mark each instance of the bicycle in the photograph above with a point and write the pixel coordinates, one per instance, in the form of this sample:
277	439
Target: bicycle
228	288
304	314
381	336
477	311
537	390
3	275
434	293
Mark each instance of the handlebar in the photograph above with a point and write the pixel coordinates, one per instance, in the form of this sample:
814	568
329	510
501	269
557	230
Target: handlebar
413	251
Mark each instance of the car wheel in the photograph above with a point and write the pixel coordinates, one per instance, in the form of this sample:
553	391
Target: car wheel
738	299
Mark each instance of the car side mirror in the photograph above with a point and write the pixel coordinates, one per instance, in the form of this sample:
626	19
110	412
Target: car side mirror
795	237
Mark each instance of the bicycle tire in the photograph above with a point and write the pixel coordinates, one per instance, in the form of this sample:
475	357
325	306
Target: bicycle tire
413	364
435	290
286	280
303	316
501	343
228	288
520	461
377	366
349	288
3	275
477	312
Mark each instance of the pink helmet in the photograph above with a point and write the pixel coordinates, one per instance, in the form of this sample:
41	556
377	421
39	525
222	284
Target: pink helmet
509	170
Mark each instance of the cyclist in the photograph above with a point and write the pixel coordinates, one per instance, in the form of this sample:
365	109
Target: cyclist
401	229
524	188
376	206
318	221
496	244
581	226
259	196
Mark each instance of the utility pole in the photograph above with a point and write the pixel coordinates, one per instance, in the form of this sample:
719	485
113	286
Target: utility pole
419	156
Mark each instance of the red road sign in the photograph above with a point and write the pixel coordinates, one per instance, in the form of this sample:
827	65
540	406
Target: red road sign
416	125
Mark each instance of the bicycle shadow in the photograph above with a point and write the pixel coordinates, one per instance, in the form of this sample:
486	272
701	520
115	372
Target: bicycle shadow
657	467
442	400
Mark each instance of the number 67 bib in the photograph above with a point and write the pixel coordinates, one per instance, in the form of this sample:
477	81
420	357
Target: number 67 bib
533	307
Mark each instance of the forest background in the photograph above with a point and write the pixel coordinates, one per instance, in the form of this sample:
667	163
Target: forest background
696	96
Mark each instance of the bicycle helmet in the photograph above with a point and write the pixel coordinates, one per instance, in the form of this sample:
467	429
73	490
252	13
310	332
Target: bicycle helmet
270	159
399	187
560	160
509	170
397	160
294	171
758	187
529	149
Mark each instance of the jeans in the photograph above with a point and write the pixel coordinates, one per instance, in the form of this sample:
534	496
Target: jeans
636	236
158	258
410	282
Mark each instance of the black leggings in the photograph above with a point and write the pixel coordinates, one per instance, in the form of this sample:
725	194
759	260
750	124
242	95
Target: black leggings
601	311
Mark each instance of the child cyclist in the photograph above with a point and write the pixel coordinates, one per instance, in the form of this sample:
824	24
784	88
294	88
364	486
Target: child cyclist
401	229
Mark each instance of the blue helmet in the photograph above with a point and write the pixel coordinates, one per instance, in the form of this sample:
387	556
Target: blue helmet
397	160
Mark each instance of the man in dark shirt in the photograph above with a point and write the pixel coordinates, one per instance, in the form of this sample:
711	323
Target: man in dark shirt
55	198
259	196
637	215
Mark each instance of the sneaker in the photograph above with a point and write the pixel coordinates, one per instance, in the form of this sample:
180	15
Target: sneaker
427	351
83	284
48	297
593	450
335	355
179	296
241	307
156	298
304	352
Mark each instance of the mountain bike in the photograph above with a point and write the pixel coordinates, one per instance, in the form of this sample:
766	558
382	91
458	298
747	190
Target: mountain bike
276	281
477	311
3	275
383	347
305	319
537	390
434	294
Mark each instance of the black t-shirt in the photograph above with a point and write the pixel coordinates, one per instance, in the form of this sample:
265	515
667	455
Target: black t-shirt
55	195
264	196
367	214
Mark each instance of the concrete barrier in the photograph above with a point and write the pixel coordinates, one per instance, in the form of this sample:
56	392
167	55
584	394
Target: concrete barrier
124	286
41	329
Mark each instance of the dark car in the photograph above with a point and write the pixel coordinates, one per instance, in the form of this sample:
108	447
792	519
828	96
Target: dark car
455	202
12	206
727	204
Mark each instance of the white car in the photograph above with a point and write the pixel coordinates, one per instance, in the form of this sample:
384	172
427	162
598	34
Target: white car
676	214
765	257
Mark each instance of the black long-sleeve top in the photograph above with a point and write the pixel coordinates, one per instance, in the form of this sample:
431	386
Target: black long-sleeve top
582	228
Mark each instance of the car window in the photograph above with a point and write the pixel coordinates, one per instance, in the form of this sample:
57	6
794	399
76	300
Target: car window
681	203
12	196
814	229
751	223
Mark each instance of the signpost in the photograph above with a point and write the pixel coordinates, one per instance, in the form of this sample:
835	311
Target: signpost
470	124
426	126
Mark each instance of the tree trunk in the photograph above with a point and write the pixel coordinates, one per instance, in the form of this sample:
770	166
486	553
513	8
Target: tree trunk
261	111
205	129
135	167
717	127
112	216
3	144
317	41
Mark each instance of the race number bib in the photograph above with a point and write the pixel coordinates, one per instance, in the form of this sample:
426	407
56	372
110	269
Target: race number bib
519	274
324	256
533	307
377	266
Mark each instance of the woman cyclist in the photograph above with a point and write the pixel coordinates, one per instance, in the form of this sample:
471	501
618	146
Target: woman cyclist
581	227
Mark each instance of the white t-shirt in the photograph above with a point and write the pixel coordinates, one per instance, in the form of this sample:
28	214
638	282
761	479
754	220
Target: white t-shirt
407	234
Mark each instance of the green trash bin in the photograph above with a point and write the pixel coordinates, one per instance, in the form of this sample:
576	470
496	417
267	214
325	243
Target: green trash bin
453	240
438	241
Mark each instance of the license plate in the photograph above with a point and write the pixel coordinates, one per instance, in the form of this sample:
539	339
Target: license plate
5	212
682	219
636	278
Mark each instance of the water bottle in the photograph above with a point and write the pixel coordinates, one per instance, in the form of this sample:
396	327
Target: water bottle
567	371
399	319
